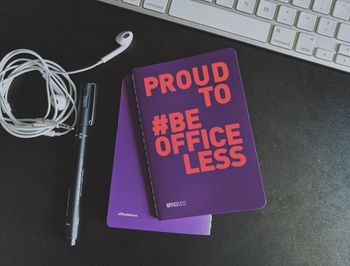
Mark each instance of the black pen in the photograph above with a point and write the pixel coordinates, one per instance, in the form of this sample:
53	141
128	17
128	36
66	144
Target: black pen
86	115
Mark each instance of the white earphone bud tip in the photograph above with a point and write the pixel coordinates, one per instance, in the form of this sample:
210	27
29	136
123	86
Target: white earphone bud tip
124	38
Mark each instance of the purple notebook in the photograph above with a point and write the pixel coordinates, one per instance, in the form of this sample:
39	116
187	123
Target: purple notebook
198	138
129	204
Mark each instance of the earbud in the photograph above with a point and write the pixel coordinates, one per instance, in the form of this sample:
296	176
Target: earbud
61	101
124	39
58	98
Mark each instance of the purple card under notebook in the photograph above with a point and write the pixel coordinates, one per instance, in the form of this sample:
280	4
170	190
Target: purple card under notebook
198	137
129	204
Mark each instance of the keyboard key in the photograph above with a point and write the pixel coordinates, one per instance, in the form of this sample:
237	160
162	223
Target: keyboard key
283	1
305	44
132	2
286	15
156	5
306	21
246	6
266	9
326	43
225	3
283	37
322	6
342	10
324	54
344	32
342	60
344	50
326	27
301	3
220	19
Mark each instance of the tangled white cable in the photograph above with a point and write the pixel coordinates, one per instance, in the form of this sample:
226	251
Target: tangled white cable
61	113
58	86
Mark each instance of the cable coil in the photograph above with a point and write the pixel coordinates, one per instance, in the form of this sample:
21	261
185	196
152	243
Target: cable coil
61	92
59	86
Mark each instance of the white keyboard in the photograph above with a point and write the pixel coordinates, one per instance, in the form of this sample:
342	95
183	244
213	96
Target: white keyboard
314	30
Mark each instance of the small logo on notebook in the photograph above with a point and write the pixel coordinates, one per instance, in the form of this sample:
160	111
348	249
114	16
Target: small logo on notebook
126	214
176	204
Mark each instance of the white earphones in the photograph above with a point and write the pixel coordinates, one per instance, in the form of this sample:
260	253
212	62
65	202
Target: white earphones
124	39
61	91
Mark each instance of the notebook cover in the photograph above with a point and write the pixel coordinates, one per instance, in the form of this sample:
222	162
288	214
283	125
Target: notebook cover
129	205
198	137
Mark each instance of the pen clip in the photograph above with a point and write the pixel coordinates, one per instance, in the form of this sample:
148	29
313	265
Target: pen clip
93	109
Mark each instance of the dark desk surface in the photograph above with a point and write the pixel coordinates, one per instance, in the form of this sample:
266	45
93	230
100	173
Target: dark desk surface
300	114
